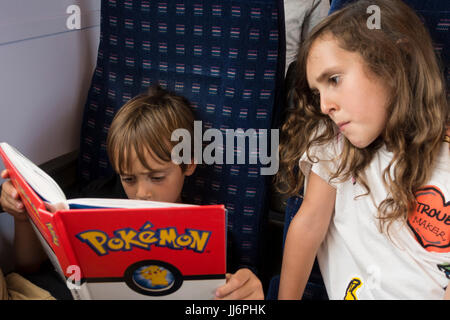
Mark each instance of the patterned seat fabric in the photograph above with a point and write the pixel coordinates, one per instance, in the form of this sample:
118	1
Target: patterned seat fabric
224	57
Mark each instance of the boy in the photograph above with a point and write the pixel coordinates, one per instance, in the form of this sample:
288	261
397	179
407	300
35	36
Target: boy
139	149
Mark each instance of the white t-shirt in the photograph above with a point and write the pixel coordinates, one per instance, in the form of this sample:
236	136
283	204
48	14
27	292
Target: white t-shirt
357	261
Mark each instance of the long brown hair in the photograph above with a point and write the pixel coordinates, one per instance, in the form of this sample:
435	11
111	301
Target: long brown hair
400	53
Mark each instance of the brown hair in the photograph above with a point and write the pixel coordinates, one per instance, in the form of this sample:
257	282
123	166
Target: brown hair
145	124
401	54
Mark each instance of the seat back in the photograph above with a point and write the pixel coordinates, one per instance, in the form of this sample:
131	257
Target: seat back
221	55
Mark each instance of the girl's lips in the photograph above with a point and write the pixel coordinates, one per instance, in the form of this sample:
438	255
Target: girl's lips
342	125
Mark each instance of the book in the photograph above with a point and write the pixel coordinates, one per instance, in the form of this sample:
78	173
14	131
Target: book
123	248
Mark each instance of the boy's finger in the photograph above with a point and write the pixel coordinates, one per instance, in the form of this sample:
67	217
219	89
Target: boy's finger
10	190
233	282
14	208
55	207
10	203
5	174
10	198
240	293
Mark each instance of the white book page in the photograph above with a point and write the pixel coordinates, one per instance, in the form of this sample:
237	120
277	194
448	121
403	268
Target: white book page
81	203
39	181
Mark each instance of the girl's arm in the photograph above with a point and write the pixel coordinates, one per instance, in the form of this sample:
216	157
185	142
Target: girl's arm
306	232
447	292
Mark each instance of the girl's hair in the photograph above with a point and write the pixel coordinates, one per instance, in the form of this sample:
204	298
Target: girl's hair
400	53
145	125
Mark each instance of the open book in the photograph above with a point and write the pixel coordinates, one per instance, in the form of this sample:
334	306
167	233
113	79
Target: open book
121	248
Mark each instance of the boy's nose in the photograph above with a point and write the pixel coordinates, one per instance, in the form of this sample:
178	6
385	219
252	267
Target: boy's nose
143	192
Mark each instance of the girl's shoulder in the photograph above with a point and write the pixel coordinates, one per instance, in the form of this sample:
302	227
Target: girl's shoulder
323	158
325	151
443	158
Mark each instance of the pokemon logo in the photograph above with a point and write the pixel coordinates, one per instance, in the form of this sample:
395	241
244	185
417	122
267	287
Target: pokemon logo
128	238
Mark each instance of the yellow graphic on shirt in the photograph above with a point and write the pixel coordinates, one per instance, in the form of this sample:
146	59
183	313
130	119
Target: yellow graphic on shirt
155	275
350	293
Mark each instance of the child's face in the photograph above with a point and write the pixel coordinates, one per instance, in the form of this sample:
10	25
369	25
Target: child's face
352	96
163	183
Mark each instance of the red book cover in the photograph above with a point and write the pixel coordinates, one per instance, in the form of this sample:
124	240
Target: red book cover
131	253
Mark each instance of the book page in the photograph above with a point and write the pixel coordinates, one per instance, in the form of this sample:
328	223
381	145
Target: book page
85	203
39	181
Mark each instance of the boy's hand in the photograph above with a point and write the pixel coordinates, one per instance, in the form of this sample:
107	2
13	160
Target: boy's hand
56	207
242	285
10	199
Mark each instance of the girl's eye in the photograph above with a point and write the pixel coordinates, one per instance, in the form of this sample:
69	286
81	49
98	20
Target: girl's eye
334	80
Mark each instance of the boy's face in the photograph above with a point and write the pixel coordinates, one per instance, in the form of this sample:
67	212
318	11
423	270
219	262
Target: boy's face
163	183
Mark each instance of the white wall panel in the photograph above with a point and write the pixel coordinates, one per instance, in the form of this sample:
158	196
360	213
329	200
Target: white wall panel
45	73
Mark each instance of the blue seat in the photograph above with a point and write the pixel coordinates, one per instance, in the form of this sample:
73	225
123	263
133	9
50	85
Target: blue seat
226	57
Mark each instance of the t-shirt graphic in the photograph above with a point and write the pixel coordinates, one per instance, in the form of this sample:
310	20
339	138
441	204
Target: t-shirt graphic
430	219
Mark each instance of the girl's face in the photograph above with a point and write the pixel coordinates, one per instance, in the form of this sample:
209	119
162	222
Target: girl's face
351	95
163	182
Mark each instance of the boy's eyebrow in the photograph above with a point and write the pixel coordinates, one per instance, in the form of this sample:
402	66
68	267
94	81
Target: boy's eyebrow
144	172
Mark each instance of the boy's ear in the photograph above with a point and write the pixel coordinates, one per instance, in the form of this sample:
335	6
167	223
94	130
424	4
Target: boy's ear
190	168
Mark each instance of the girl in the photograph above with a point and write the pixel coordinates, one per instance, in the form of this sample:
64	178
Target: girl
368	134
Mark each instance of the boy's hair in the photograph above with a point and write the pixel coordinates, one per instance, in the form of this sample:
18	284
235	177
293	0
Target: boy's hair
400	52
145	125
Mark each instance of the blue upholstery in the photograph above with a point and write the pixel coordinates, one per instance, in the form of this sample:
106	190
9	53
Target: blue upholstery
221	55
436	16
338	4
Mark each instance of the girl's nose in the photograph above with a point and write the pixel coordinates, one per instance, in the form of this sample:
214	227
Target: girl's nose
327	105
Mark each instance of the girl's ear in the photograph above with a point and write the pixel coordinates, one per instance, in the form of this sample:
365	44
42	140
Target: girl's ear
190	168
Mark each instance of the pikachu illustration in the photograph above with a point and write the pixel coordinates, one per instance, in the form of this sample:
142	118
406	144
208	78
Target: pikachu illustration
156	275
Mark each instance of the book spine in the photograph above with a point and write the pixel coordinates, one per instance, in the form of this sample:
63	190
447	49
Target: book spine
67	262
60	251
